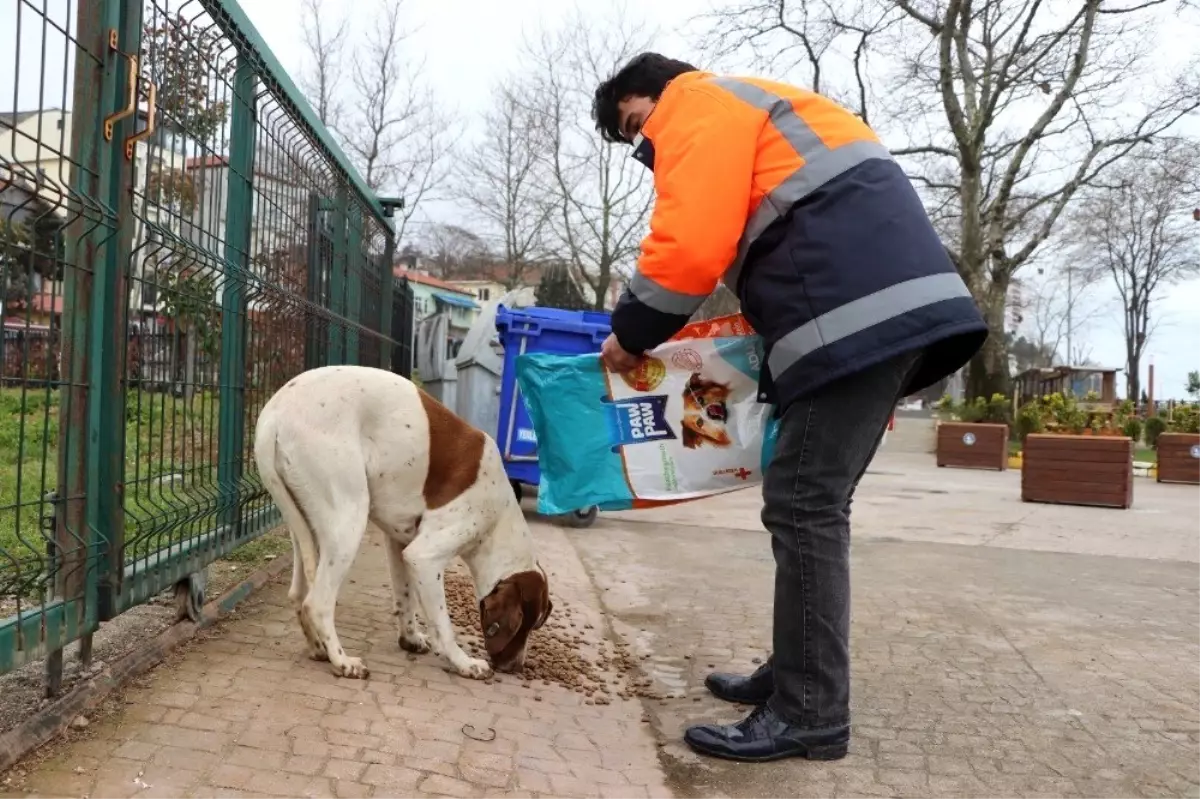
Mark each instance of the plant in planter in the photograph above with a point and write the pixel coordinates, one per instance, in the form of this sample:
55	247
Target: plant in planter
974	434
1179	447
1082	458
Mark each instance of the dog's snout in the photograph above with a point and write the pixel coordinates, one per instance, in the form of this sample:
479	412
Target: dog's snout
513	664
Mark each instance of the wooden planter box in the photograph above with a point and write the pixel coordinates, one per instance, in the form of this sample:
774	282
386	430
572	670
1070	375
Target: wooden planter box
970	445
1078	470
1179	458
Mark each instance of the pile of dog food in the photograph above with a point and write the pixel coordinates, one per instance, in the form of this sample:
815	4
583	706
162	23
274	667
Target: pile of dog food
566	651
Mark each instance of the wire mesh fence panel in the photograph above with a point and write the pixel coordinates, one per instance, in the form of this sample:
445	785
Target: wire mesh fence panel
179	237
254	250
56	229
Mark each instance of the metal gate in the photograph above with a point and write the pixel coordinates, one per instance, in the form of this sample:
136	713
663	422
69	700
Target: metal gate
179	236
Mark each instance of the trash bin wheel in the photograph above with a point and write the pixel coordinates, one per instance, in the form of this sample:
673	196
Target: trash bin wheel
518	489
584	517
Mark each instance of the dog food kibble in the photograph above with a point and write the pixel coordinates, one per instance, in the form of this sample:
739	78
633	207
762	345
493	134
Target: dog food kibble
557	654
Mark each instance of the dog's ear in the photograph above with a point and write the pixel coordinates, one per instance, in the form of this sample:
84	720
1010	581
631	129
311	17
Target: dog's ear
518	604
500	616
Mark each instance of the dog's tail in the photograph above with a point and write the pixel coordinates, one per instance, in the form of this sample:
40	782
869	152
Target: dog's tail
267	456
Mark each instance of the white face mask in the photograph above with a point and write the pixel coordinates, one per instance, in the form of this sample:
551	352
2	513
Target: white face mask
643	151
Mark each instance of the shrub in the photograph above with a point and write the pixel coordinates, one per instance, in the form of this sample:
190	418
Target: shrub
998	410
1133	428
1155	427
1029	420
1185	419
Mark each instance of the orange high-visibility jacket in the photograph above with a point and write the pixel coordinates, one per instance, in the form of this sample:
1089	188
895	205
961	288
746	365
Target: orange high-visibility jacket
793	201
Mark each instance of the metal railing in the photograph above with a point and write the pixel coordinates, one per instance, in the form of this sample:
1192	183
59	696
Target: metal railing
179	236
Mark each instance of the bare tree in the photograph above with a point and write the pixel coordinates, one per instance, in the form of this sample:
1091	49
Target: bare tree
601	197
1140	229
453	252
324	44
504	179
1056	309
1001	110
400	136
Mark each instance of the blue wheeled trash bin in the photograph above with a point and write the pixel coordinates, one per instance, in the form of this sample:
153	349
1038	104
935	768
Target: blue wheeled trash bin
538	330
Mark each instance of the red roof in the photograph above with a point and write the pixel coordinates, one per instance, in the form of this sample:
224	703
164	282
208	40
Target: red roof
206	161
426	280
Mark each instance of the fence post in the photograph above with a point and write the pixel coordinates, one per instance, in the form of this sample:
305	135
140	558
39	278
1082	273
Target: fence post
337	280
75	573
108	330
356	265
240	210
386	282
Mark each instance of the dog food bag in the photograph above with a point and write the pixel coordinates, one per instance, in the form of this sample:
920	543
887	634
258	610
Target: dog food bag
685	424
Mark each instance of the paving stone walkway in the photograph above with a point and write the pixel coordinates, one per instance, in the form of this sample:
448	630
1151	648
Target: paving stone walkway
243	712
1000	649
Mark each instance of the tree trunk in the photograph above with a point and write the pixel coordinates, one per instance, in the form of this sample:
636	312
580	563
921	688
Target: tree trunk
987	373
602	283
1133	375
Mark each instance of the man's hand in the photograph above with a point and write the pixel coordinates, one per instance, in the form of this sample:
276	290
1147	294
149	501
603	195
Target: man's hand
616	358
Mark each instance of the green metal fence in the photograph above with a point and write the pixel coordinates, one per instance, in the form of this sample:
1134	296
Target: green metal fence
179	236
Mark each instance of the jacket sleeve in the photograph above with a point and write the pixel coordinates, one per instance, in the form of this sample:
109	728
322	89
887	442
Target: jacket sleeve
704	150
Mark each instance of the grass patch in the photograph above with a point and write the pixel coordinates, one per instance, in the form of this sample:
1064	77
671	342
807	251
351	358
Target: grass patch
265	547
170	486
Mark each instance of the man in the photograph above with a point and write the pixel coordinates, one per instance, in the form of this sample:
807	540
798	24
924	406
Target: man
795	204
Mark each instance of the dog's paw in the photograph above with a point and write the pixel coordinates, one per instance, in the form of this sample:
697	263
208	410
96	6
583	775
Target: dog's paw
352	668
415	642
474	669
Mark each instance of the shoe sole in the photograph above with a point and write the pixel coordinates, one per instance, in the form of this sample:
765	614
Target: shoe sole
818	753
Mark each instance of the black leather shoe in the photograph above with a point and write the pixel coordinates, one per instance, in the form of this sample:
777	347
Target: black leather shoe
753	690
764	736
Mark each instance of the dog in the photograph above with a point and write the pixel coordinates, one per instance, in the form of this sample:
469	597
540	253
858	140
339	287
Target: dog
340	446
705	413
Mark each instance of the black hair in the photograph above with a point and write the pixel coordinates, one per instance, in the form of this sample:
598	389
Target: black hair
646	75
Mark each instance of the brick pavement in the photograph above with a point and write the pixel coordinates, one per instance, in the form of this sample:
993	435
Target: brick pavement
244	713
1000	649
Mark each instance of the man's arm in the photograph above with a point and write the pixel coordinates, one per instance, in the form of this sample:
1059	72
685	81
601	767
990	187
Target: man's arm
704	148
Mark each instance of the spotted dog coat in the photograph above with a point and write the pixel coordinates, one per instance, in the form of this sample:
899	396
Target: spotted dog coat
341	446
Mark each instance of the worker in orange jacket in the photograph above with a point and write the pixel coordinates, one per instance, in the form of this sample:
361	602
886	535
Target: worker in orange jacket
794	203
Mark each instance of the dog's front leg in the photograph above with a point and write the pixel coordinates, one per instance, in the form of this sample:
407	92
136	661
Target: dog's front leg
411	637
426	559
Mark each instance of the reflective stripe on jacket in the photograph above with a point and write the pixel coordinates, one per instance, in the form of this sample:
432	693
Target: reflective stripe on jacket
740	168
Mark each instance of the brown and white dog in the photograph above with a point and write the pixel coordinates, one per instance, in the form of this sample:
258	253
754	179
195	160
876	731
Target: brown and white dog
341	446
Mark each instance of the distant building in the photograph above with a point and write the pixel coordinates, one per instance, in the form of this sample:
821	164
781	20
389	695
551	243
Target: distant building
432	295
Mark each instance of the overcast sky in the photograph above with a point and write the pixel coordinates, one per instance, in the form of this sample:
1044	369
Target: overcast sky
467	43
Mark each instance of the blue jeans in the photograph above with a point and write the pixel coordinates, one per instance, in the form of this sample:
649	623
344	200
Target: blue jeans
826	440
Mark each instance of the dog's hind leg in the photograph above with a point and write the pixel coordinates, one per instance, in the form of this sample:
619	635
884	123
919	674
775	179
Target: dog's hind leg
411	637
296	595
340	531
436	544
